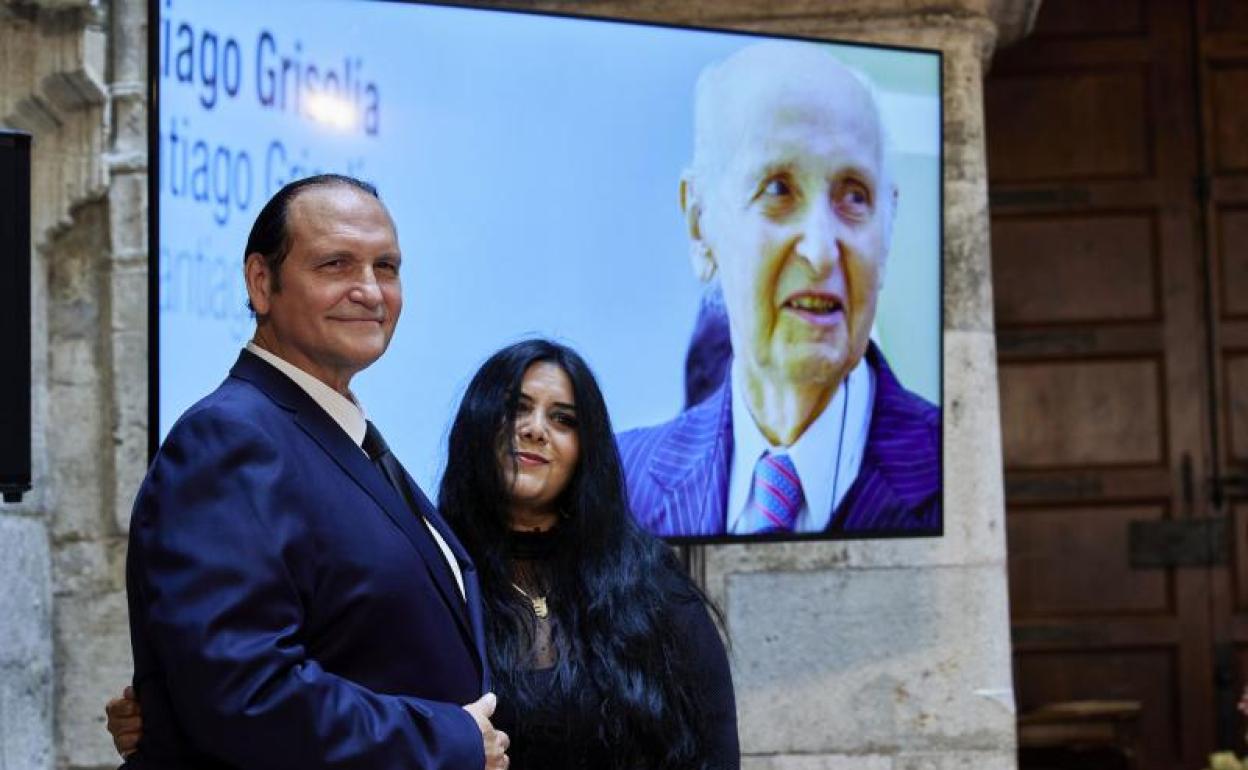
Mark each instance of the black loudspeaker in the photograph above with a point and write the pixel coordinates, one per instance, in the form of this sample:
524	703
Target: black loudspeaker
14	314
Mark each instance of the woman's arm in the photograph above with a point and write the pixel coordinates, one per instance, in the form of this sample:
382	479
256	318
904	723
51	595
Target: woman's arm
707	664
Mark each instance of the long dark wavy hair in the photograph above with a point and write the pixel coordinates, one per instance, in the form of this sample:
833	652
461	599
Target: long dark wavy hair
610	586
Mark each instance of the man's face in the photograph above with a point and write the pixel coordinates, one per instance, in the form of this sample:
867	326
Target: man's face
340	295
796	217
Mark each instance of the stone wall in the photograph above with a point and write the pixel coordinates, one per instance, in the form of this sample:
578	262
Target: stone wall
71	74
865	655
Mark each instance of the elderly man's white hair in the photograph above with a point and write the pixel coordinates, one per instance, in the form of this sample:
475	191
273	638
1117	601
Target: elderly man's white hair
724	87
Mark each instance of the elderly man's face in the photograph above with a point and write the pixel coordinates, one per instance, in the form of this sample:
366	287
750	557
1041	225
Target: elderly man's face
796	219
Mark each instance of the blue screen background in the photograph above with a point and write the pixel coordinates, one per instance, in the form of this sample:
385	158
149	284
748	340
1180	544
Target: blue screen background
531	164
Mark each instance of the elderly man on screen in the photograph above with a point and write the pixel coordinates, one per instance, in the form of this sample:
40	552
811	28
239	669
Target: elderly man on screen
789	205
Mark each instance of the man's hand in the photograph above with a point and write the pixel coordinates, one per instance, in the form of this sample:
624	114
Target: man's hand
496	741
125	723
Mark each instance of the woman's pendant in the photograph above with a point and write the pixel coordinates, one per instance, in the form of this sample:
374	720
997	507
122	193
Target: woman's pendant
538	602
539	607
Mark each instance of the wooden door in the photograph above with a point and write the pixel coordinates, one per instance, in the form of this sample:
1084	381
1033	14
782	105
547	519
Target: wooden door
1094	149
1222	81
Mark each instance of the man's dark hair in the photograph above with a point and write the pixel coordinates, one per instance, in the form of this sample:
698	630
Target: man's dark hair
270	234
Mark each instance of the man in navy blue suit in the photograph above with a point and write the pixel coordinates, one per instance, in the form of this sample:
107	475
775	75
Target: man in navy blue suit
295	601
789	206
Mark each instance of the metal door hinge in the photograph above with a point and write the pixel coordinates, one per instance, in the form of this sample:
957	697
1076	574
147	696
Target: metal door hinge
1182	543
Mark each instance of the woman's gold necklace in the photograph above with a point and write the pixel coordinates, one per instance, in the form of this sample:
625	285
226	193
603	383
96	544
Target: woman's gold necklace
539	602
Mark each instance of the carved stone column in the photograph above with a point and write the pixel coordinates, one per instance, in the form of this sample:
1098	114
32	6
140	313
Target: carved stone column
65	644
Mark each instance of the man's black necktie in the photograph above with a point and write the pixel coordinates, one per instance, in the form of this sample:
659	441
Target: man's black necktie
379	452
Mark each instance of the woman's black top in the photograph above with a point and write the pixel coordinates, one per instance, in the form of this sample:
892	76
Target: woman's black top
564	736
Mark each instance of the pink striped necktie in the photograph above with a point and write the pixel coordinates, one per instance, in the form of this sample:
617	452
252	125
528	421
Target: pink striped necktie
777	496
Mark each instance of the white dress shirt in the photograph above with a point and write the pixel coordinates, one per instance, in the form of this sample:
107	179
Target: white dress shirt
837	437
349	416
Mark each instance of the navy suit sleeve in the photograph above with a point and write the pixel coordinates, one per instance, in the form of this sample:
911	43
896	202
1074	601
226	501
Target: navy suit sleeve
223	605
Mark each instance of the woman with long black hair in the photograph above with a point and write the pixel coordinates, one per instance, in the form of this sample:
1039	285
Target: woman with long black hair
603	651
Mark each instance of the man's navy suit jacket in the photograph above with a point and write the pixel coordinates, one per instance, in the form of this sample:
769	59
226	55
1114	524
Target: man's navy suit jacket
286	608
678	472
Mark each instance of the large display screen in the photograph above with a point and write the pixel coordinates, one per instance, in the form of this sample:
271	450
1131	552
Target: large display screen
740	234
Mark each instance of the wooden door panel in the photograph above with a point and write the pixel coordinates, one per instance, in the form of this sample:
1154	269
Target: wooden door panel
1077	124
1054	269
1081	20
1082	413
1234	335
1145	674
1231	228
1084	486
1228	85
1031	342
1238	515
1236	371
1226	16
1068	562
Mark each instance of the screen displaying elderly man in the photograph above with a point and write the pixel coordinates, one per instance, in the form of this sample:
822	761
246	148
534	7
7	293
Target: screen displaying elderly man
789	206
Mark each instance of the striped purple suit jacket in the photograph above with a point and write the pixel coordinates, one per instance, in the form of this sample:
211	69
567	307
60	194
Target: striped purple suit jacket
677	472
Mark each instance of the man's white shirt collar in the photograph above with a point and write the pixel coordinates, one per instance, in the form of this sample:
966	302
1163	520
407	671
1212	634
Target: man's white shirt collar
814	454
347	412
